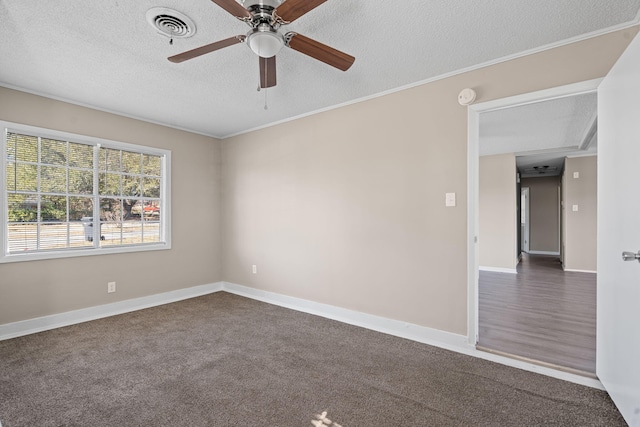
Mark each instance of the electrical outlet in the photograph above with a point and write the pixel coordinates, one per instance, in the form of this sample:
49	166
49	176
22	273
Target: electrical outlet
254	269
111	287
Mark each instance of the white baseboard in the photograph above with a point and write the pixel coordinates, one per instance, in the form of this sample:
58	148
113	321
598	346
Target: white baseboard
579	271
381	324
45	323
544	253
498	269
435	337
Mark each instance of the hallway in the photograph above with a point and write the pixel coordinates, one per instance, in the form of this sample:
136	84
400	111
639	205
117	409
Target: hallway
542	313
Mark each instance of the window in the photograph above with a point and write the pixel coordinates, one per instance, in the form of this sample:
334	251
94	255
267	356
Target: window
69	195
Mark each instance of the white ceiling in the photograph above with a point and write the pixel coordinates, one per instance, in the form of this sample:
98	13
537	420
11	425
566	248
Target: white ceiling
105	55
542	134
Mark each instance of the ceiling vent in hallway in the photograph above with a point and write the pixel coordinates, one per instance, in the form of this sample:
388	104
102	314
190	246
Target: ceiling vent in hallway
170	23
541	170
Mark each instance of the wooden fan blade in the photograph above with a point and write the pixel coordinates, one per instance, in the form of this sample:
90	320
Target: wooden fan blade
193	53
320	51
234	8
291	10
267	72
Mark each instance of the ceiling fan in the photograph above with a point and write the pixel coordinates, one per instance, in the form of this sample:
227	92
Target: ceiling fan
265	17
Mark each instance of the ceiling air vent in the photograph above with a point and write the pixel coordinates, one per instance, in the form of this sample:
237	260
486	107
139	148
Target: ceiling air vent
170	23
546	169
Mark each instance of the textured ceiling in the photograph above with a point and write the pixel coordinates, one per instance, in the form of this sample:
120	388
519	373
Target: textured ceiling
105	55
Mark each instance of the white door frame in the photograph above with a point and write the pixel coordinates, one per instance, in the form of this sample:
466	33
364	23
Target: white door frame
524	245
473	140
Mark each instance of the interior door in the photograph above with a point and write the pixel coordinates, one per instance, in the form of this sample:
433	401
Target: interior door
618	330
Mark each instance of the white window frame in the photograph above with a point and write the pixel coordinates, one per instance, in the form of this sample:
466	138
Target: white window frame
165	196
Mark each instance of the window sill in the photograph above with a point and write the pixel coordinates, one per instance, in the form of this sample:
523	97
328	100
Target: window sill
45	255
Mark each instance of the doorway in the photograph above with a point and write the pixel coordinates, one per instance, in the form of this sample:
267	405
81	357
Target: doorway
523	221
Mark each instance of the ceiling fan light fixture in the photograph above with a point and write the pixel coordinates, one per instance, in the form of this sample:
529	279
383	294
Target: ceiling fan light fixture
265	43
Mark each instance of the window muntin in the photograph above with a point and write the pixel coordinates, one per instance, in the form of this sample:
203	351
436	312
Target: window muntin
56	185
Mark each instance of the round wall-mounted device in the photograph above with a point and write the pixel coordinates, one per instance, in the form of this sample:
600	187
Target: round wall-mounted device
467	96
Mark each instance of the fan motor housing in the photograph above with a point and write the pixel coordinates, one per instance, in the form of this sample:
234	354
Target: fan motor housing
261	11
248	4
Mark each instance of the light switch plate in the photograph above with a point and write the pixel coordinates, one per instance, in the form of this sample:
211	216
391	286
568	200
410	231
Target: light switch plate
574	208
576	174
450	199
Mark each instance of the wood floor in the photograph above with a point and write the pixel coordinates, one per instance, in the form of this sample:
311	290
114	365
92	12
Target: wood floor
541	313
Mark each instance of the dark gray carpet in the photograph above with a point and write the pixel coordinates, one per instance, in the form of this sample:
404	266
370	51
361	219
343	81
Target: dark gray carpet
224	360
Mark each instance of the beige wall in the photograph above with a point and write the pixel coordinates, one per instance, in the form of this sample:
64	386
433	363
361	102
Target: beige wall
37	288
346	207
498	222
580	227
544	214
